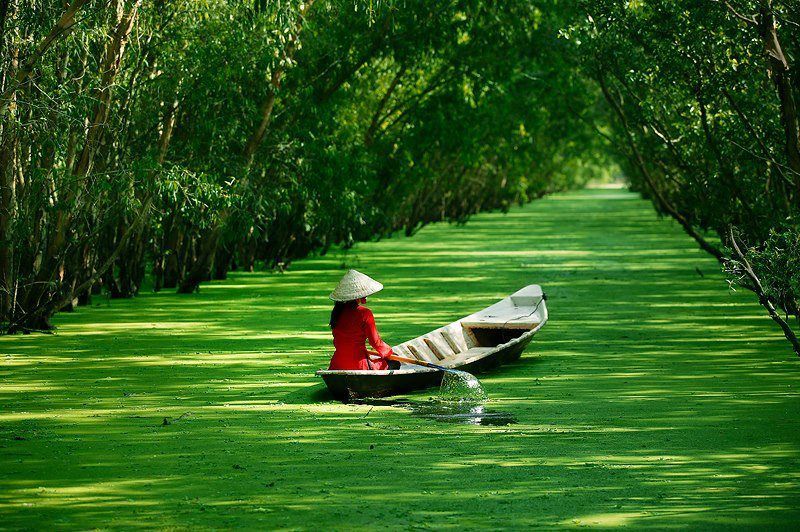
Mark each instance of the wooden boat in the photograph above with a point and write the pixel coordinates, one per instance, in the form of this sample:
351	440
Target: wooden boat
493	336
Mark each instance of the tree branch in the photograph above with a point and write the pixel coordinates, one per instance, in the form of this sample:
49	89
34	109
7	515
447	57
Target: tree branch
61	28
763	298
749	20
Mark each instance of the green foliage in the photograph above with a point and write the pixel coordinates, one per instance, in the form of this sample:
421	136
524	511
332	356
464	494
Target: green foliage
266	130
779	260
217	134
703	121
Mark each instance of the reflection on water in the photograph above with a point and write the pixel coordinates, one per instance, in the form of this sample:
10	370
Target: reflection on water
461	412
467	412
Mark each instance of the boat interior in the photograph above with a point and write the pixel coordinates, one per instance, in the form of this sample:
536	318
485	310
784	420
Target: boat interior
478	334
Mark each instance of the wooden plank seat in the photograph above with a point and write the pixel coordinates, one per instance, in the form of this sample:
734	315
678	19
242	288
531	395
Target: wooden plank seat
421	351
439	348
453	342
403	351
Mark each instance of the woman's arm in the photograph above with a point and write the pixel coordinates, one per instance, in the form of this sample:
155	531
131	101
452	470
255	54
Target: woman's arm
373	337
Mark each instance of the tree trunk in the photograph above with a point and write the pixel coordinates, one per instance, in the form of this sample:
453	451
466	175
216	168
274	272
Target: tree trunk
222	262
7	209
249	252
265	112
165	264
640	164
203	264
173	246
765	301
378	117
43	300
158	270
7	200
109	69
780	72
201	270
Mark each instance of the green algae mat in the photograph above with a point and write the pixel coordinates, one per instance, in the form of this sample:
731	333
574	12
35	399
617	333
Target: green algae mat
654	397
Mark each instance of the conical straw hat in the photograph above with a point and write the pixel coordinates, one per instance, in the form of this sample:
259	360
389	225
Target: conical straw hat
355	285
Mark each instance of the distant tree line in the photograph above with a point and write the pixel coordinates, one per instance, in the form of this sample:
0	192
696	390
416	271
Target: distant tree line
703	104
184	139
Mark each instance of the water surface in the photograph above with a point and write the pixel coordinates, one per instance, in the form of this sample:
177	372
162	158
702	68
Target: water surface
653	397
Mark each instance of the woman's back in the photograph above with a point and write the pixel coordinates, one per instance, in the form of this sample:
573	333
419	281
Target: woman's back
354	326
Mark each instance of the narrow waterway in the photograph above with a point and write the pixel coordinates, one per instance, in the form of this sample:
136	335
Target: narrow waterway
653	397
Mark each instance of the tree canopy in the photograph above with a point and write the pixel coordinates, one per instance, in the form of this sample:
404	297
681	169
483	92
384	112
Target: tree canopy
186	138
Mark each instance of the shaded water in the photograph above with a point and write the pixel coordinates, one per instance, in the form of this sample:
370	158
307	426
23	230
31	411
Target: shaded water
464	411
467	412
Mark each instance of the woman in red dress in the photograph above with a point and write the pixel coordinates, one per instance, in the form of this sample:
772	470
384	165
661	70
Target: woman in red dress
353	324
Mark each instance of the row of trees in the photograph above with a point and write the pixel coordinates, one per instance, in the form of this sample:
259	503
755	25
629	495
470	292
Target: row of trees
188	138
703	105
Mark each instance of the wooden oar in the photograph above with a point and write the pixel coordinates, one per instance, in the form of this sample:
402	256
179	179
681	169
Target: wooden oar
469	382
423	363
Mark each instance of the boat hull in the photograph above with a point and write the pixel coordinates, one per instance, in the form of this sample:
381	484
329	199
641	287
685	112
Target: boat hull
347	386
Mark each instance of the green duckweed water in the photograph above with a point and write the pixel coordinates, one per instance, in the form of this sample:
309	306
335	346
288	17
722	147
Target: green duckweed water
654	397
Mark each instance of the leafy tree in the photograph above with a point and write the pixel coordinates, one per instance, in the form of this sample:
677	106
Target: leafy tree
189	137
703	103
